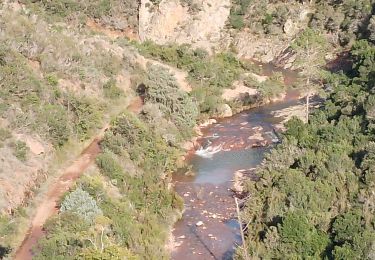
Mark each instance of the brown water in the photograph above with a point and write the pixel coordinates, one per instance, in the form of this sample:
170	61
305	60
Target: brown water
269	69
229	145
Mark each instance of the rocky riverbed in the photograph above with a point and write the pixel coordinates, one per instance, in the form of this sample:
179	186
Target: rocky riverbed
209	228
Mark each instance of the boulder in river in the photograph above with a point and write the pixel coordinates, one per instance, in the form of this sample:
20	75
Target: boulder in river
224	110
199	223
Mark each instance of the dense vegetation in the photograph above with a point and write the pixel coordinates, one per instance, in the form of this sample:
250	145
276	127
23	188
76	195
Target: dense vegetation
211	74
315	197
345	20
59	81
127	208
58	86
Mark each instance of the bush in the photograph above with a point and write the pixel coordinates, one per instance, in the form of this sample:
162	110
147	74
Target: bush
20	150
162	89
81	203
145	147
111	90
54	120
315	186
4	134
88	114
110	167
52	80
112	252
346	225
236	21
305	240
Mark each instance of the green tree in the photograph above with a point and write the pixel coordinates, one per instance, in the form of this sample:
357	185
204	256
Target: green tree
305	240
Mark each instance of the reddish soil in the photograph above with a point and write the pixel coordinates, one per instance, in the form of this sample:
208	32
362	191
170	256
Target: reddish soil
343	61
49	205
136	105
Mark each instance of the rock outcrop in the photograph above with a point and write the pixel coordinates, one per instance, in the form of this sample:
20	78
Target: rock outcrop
171	22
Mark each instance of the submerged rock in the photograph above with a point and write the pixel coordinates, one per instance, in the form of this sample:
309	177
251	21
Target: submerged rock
199	223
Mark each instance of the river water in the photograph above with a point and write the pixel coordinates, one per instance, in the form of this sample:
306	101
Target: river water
209	227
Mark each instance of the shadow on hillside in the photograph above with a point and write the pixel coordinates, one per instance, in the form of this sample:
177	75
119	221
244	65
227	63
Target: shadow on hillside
4	251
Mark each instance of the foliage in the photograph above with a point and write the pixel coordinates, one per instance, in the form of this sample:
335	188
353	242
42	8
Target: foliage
4	135
301	237
162	89
81	203
110	167
118	14
111	90
272	87
135	158
315	194
345	21
109	253
208	74
236	21
20	150
310	48
86	114
63	240
57	126
144	147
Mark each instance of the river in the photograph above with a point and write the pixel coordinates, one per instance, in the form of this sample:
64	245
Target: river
209	228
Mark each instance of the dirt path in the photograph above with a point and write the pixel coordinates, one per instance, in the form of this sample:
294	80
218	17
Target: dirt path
48	206
63	183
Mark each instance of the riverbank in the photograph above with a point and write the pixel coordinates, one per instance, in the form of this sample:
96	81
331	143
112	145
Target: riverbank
209	227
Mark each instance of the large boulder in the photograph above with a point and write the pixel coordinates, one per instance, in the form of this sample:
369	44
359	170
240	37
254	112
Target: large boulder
224	110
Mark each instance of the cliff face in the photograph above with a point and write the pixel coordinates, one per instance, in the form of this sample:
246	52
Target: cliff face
205	24
199	23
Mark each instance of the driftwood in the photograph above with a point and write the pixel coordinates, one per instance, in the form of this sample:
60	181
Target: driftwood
244	246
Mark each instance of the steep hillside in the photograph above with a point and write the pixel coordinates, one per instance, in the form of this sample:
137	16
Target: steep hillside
58	86
147	71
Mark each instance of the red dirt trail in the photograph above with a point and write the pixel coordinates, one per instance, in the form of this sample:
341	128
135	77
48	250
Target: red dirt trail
48	206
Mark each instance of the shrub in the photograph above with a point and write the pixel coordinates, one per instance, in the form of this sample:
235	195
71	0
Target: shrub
20	150
145	147
7	226
4	134
111	90
52	80
81	203
110	167
346	226
54	120
213	73
305	240
88	114
162	89
112	252
236	21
